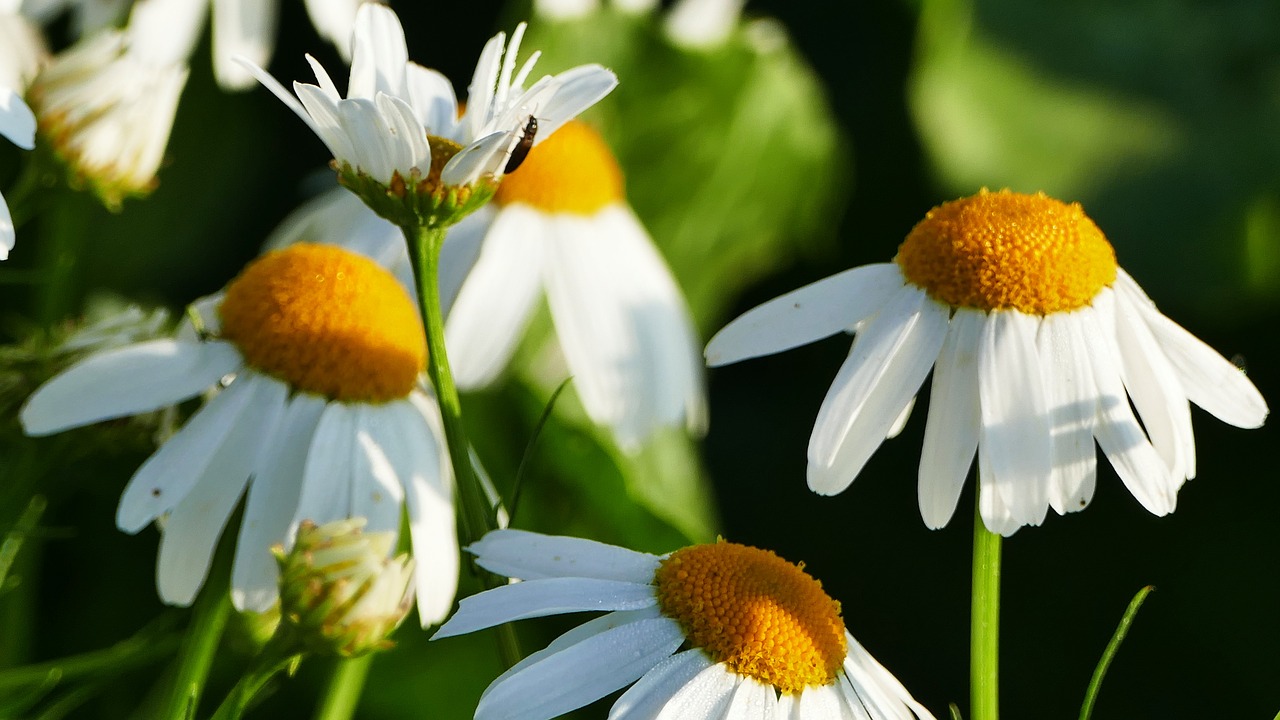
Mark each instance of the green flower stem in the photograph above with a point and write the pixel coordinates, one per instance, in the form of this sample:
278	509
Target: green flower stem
477	513
135	652
984	625
344	690
1100	672
64	231
279	653
209	618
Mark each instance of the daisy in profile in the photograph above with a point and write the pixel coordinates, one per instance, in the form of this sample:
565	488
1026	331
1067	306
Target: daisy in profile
709	632
562	224
399	124
316	353
19	126
1038	344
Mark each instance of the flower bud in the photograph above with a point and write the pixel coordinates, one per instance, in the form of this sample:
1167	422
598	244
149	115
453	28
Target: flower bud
340	590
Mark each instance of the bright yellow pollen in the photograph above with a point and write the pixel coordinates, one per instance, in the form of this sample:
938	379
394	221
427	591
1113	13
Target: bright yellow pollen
573	171
755	612
1006	250
326	321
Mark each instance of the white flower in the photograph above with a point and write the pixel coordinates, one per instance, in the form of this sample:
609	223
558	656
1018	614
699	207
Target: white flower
22	51
106	107
381	128
19	126
702	24
323	417
1038	342
771	644
562	223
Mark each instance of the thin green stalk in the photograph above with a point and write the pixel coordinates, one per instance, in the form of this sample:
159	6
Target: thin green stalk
209	618
477	515
343	693
984	625
61	248
135	652
279	653
1095	683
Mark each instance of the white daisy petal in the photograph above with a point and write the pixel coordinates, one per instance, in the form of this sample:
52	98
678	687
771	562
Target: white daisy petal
951	432
644	700
582	673
434	103
900	422
127	381
996	515
586	630
1073	410
753	700
549	596
376	484
1156	392
495	302
7	234
191	534
1118	432
485	157
813	312
325	121
1015	416
1208	379
483	82
243	28
823	703
623	325
325	83
871	680
530	556
886	365
577	89
326	486
17	122
166	477
379	54
282	94
705	697
429	499
268	512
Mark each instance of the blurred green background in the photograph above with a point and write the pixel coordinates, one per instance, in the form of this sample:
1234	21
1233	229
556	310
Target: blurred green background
789	153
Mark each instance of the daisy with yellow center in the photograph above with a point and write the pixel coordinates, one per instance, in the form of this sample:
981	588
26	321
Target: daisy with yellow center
399	122
321	413
1038	343
709	632
561	222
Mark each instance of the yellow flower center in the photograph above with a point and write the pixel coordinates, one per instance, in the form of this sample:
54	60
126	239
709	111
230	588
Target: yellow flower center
326	321
573	171
1006	250
755	612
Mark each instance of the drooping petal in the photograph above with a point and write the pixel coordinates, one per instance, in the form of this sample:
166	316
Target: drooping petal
380	468
954	423
1015	415
497	298
1152	383
191	534
706	696
17	122
428	483
813	312
334	20
1073	410
623	325
753	700
326	477
531	556
127	381
877	687
1118	432
888	361
269	509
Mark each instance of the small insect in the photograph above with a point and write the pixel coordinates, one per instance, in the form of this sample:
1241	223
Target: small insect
522	148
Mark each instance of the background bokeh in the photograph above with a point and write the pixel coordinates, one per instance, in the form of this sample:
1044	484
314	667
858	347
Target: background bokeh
761	166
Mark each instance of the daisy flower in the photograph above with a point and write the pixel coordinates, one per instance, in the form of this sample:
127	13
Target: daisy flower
709	632
1038	343
399	122
19	126
562	223
22	50
321	414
